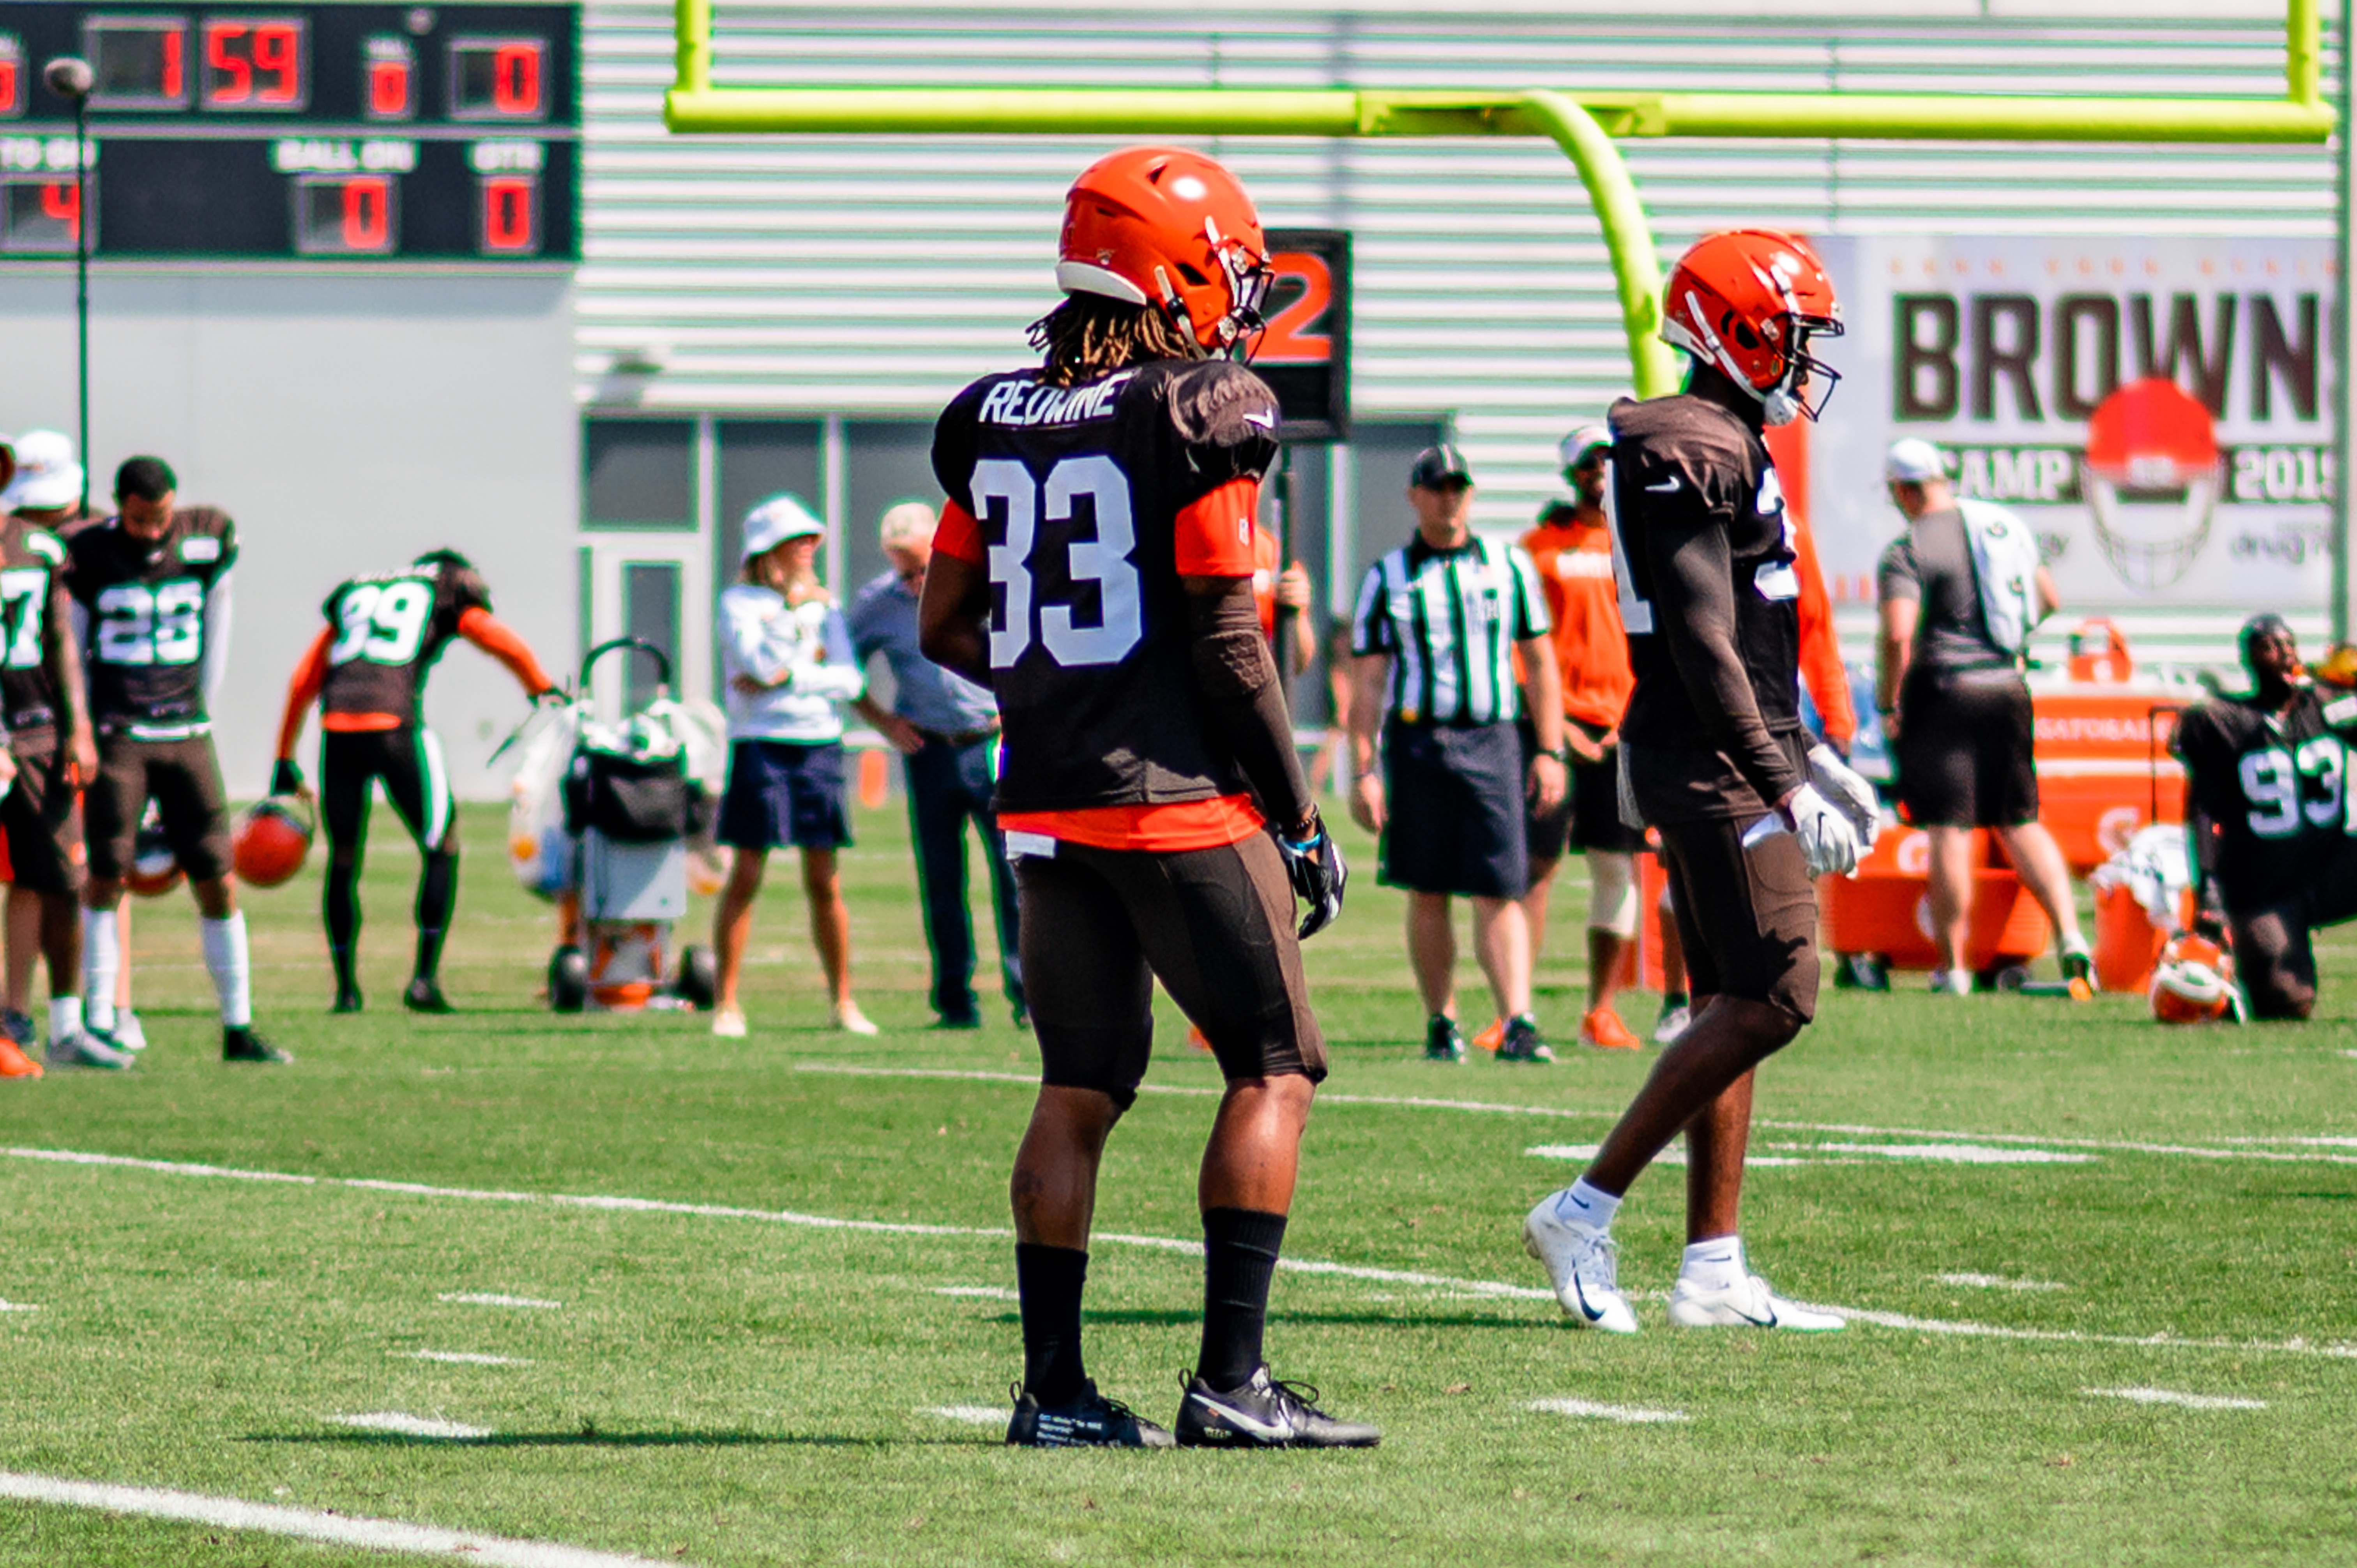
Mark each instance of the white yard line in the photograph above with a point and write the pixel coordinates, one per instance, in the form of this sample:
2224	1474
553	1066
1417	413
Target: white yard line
307	1524
408	1425
464	1358
973	1414
2167	1396
1950	1153
17	1306
1996	1281
1629	1414
2241	1151
489	1298
1673	1155
987	1292
1489	1288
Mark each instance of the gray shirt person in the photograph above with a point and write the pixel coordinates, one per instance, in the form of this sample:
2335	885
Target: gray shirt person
884	620
1932	563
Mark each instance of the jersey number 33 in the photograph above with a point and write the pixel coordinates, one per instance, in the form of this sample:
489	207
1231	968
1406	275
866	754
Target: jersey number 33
1103	560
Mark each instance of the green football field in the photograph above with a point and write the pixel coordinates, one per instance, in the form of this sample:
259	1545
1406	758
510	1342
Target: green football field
608	1285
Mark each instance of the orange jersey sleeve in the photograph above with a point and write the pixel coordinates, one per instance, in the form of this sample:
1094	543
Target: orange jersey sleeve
1591	649
496	637
310	674
958	536
1216	534
1821	659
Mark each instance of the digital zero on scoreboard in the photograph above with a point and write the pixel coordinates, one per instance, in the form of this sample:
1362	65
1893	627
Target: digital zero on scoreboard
320	132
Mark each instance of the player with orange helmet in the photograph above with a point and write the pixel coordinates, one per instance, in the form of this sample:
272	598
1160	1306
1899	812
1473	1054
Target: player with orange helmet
272	840
1714	757
1147	754
2194	982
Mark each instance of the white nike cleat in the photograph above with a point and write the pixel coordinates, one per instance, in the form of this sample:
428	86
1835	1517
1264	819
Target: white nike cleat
126	1035
852	1021
1751	1304
729	1022
1582	1264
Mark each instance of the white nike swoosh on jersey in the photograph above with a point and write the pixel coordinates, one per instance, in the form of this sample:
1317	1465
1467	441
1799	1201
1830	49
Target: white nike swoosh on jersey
1666	487
1268	1432
1265	421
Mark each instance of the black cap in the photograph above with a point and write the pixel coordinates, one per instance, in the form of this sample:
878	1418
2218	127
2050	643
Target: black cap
2267	623
1436	466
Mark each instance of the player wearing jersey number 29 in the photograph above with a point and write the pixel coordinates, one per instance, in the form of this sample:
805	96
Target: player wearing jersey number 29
366	668
1093	566
151	606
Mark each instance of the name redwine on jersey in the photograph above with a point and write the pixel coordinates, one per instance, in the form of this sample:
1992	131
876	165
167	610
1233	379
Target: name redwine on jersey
2276	787
1076	492
145	601
386	631
32	590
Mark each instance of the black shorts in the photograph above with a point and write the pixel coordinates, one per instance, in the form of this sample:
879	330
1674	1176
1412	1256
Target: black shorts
1965	751
1747	918
1214	925
1453	807
183	777
2274	959
1589	817
42	816
784	793
416	781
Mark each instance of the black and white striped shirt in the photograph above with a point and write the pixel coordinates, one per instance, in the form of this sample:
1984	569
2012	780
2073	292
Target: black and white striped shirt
1449	618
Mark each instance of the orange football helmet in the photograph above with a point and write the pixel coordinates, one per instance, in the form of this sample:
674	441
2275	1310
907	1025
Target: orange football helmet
1747	302
2194	982
1168	227
155	869
272	842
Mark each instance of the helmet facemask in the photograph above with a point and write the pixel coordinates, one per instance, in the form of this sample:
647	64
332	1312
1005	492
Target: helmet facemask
1247	276
1790	399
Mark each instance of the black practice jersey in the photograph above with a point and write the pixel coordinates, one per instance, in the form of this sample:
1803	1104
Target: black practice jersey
385	631
1710	599
32	600
145	601
1076	492
2274	786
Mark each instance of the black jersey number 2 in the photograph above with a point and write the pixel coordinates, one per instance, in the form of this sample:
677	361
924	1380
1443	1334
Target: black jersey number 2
1103	560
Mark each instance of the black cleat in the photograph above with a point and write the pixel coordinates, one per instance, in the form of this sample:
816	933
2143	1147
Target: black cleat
1523	1043
242	1044
424	995
18	1027
1442	1042
1264	1413
1088	1420
347	1000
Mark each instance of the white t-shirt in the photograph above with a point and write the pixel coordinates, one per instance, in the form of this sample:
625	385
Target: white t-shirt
764	636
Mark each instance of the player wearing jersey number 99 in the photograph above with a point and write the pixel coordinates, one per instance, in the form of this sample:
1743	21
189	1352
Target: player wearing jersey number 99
151	605
366	668
1093	566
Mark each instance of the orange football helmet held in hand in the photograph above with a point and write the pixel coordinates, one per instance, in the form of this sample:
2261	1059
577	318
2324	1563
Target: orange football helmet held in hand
1746	302
273	841
2194	982
1169	228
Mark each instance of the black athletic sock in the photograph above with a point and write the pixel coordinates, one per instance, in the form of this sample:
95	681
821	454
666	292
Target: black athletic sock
437	895
1049	1279
342	905
1240	1248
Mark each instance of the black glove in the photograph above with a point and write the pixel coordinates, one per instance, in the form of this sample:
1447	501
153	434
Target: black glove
1316	867
2210	924
285	778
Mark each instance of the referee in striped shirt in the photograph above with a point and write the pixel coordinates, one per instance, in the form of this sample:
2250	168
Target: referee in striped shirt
1438	624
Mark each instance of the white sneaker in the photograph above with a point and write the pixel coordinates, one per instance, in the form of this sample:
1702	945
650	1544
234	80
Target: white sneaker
729	1022
85	1049
1749	1305
1952	983
1672	1023
852	1021
127	1035
1583	1265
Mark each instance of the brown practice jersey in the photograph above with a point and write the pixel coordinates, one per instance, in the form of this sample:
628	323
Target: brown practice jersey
146	602
2273	787
1703	553
386	631
32	600
1089	503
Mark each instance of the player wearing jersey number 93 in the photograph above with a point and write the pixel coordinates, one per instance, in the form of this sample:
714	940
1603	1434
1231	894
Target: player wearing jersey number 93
1093	567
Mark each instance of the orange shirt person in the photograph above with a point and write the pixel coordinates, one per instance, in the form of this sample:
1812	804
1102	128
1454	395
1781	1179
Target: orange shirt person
367	670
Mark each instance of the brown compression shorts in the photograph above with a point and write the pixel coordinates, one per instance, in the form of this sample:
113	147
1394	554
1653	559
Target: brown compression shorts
1748	917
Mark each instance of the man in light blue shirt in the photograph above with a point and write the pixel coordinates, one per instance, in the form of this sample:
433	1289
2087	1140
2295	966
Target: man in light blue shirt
946	730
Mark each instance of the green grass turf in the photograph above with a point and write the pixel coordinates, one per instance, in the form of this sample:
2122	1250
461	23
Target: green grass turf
734	1391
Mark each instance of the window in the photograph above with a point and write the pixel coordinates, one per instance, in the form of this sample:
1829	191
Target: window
638	474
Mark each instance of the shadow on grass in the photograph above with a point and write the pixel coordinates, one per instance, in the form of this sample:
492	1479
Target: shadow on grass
1149	1317
596	1439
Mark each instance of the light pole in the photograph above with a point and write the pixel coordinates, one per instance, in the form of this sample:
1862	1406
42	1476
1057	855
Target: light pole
69	78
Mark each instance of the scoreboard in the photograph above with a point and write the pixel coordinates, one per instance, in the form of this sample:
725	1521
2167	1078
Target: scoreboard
329	132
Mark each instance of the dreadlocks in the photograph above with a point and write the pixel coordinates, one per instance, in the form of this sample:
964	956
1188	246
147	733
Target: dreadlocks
1090	336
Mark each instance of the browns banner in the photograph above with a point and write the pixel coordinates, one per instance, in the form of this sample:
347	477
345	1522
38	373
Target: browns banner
2159	412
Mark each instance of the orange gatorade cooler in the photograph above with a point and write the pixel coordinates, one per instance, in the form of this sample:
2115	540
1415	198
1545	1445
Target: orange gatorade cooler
2103	768
1885	909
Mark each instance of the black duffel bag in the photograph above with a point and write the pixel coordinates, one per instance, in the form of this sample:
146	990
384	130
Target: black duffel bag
632	801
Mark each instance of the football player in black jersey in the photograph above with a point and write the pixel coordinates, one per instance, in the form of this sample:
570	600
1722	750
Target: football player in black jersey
2267	811
151	605
1094	567
1714	757
55	753
366	668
